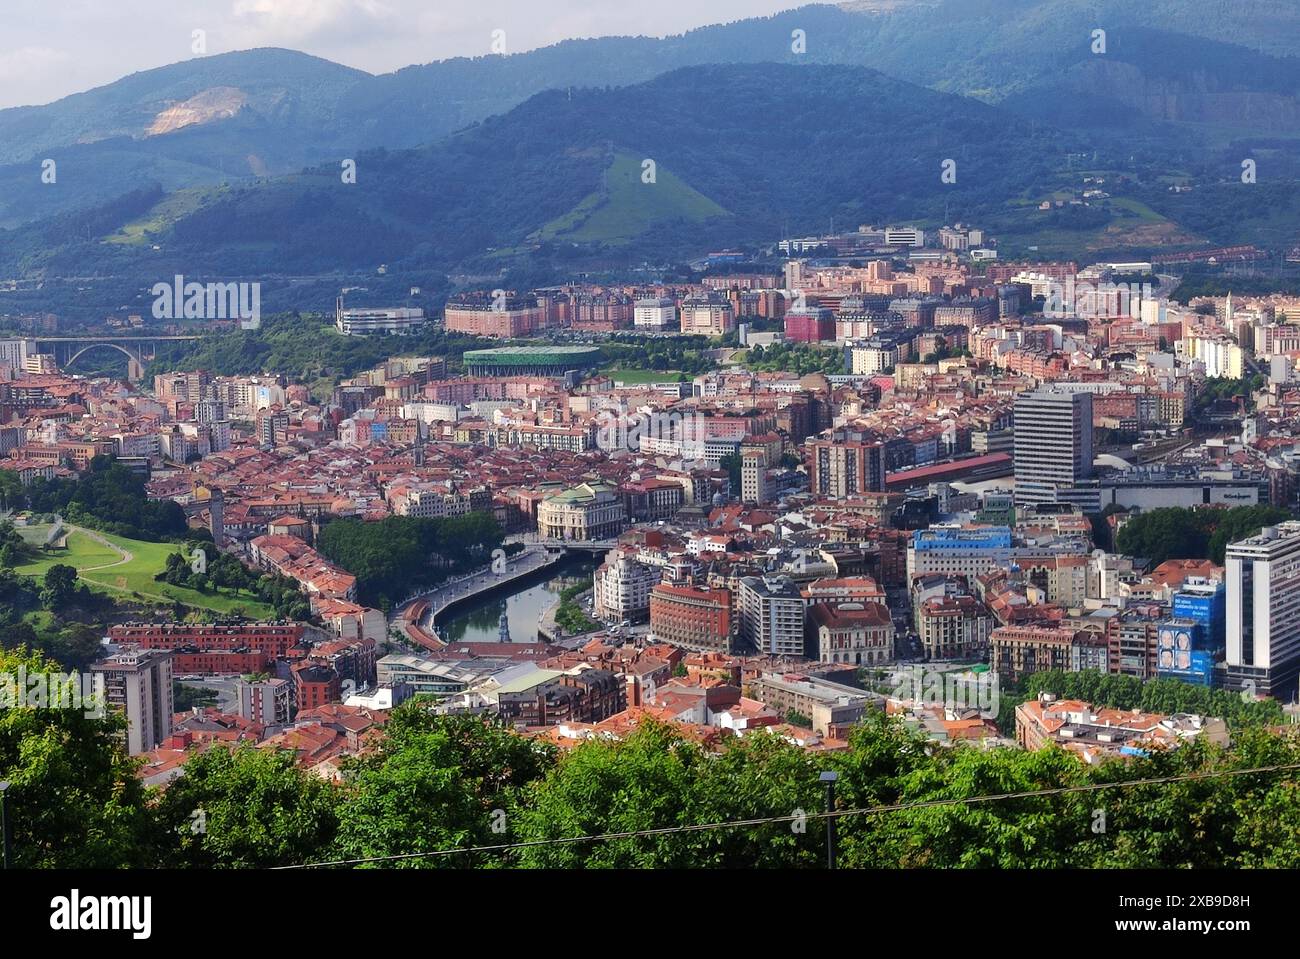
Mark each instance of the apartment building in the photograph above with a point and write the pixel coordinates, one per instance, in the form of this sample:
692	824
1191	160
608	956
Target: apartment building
1263	611
139	682
954	628
695	617
267	701
439	501
499	318
1132	640
656	315
622	587
707	315
214	648
1017	651
840	467
772	615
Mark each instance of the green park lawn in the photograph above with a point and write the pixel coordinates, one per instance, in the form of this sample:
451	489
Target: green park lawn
82	553
120	580
641	377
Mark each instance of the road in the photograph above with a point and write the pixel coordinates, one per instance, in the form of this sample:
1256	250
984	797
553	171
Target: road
453	591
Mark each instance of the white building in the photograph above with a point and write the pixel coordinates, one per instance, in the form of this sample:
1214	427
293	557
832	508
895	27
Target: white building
1053	444
622	588
1222	357
14	353
1263	629
772	615
904	236
867	359
395	320
139	682
655	315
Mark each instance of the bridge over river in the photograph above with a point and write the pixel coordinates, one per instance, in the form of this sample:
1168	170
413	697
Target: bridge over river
138	350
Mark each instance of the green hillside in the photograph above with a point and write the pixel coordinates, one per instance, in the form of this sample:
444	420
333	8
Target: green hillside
872	151
125	568
626	207
1211	64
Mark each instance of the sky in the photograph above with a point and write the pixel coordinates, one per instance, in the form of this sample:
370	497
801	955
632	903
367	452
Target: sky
51	48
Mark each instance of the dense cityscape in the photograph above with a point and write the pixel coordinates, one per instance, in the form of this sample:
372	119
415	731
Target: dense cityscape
644	533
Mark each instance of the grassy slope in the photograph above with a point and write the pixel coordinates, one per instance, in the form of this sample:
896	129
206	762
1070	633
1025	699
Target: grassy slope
164	214
136	576
626	207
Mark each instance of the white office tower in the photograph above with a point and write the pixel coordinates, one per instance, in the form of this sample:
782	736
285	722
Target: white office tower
1053	447
1263	648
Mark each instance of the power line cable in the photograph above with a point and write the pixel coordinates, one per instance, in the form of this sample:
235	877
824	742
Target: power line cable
802	816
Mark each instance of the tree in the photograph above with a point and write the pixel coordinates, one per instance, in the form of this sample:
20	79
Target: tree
185	698
75	646
436	782
247	808
1180	533
60	587
796	718
75	801
12	492
392	556
1242	523
108	497
1163	695
733	464
643	782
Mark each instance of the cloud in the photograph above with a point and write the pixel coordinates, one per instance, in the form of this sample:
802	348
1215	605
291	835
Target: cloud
26	61
281	19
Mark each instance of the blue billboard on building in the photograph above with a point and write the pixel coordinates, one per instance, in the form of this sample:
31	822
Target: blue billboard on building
1181	652
1205	603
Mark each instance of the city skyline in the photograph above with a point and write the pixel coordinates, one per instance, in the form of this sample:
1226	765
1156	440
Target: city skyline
857	437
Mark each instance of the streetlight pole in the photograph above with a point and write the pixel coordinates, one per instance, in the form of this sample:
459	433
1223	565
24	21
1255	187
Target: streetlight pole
829	778
4	824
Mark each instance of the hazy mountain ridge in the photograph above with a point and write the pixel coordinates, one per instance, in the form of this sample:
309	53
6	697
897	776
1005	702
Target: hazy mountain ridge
1169	83
873	149
282	84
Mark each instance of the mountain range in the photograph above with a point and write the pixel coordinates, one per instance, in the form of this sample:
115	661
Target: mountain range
600	168
221	160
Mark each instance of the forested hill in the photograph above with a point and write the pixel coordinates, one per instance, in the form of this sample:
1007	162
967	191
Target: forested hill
236	117
746	151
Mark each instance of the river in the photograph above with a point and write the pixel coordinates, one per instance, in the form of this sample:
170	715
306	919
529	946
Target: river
479	621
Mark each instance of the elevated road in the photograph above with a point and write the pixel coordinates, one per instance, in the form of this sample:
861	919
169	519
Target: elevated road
417	618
